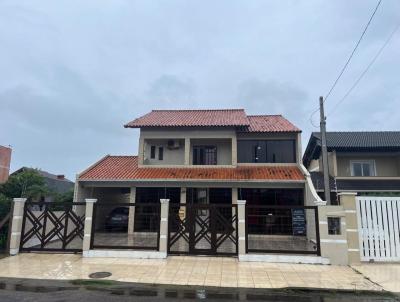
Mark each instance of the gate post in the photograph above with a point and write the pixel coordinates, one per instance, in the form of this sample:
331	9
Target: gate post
16	225
348	201
241	216
163	243
87	237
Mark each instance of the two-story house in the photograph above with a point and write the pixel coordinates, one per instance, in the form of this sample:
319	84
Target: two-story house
361	162
205	157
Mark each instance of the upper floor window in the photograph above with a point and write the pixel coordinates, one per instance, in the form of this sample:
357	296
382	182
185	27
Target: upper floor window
204	155
160	153
363	168
153	152
266	151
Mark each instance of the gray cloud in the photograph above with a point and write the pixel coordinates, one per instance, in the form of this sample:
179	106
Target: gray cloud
72	74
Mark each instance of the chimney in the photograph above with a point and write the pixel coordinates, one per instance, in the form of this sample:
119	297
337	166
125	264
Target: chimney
61	177
5	159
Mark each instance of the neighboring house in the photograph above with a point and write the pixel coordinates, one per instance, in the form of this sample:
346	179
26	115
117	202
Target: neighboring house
204	157
362	162
5	159
55	183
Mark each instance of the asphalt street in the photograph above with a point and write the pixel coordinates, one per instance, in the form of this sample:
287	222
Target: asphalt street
27	290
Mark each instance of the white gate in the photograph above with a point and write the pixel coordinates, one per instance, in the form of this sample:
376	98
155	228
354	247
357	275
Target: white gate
379	228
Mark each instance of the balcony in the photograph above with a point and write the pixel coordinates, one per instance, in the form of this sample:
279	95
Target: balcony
176	152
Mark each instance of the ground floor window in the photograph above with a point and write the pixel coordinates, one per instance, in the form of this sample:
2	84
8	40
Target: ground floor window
272	221
272	196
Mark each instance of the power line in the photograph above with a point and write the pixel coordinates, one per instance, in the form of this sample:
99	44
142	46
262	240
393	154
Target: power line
354	50
365	70
347	62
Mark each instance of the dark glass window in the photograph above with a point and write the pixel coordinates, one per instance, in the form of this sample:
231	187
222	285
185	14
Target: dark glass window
266	151
153	152
204	155
160	153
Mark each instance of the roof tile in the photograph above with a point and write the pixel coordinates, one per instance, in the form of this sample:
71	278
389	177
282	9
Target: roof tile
191	118
126	168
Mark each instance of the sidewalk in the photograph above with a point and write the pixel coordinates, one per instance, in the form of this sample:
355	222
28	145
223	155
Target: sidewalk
180	270
386	275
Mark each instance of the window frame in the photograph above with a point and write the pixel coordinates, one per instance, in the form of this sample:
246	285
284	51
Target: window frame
371	162
152	152
263	155
160	153
196	160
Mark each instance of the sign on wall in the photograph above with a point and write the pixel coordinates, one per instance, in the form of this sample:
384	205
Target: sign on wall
298	222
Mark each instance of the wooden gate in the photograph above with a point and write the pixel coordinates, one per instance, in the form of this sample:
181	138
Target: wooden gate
379	228
203	229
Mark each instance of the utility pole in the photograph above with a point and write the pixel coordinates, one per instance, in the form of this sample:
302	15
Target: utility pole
325	165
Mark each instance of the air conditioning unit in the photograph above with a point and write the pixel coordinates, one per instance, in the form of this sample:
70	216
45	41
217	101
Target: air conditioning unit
173	144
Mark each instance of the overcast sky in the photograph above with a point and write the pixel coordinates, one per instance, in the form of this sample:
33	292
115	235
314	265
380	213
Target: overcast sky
72	73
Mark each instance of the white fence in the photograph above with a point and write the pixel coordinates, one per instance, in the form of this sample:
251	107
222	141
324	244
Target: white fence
379	228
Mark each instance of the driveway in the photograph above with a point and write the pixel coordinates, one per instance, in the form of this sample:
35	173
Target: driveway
180	270
386	275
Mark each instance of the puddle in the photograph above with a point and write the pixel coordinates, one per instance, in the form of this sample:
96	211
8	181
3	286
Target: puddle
178	293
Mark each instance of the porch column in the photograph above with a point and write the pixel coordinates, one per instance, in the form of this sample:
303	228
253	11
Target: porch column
187	151
131	219
88	225
164	225
234	195
182	209
348	201
241	216
16	225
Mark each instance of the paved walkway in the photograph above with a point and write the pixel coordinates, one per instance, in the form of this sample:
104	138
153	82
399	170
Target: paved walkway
386	275
180	270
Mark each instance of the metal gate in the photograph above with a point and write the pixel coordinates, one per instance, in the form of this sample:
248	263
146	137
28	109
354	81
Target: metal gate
203	229
379	228
57	227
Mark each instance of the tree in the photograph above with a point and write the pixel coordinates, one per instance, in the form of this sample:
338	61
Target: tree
28	184
67	196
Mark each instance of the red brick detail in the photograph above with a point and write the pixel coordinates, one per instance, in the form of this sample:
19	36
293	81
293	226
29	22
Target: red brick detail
126	168
5	159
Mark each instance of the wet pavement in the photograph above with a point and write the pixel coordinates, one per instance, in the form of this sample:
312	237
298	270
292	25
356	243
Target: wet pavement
106	290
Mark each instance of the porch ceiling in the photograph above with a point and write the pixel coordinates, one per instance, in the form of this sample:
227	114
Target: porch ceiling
126	168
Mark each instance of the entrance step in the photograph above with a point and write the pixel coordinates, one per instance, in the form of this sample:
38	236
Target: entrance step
284	258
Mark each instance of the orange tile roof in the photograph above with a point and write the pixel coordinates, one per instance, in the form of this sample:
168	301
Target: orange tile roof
191	118
269	123
214	118
126	168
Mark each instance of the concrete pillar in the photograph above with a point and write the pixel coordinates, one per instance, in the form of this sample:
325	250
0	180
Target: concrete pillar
241	216
164	225
182	209
234	195
187	151
348	202
234	151
333	246
141	151
88	225
16	225
131	219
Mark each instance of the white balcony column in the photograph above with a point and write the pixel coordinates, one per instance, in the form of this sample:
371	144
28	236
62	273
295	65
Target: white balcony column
16	224
164	225
182	209
131	219
88	225
187	151
141	150
241	216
